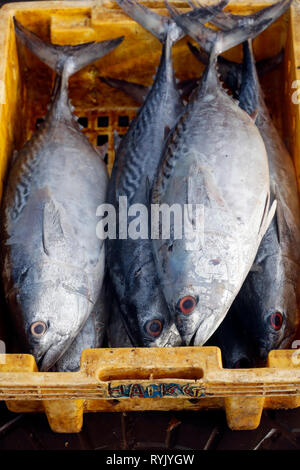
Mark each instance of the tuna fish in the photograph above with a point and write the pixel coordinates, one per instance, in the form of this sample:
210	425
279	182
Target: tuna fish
269	299
89	337
52	260
267	305
131	264
214	157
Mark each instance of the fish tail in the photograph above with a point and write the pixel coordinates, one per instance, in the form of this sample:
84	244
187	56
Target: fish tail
239	28
156	24
160	25
137	91
64	59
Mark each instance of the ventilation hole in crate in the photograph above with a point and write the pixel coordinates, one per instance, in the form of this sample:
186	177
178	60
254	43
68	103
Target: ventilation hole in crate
106	159
102	140
103	121
123	121
38	122
83	121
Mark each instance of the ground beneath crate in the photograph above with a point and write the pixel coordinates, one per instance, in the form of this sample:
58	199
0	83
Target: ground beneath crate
185	430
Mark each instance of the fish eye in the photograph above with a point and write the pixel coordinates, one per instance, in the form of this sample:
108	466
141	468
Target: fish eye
276	320
38	329
187	304
154	328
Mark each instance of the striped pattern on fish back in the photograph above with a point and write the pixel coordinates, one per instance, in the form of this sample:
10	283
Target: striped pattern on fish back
140	149
138	145
176	147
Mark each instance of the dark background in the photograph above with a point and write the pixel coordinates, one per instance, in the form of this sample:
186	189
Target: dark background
185	430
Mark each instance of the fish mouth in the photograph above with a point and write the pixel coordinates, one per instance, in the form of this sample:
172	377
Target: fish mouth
188	340
52	355
195	339
172	338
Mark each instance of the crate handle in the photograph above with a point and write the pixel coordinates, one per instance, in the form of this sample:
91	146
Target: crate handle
132	374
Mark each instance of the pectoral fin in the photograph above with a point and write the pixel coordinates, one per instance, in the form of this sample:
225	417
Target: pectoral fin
57	236
267	218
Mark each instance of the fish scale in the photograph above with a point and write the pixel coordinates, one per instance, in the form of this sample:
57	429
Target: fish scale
144	129
53	262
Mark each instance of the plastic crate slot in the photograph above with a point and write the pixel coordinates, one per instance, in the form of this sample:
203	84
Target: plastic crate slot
123	121
193	373
103	121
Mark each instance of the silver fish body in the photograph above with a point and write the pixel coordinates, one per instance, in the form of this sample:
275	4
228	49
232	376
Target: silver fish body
212	269
266	312
131	264
130	261
53	262
215	158
270	295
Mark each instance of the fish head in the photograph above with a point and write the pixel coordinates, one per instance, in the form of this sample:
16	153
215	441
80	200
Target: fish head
197	289
53	311
147	316
270	305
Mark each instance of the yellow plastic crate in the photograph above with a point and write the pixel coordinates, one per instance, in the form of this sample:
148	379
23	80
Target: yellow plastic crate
135	378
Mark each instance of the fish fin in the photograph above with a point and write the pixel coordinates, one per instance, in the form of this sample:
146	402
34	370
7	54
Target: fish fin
160	25
276	224
204	185
267	65
56	231
285	227
231	72
248	27
201	55
68	59
156	24
228	20
135	90
268	216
